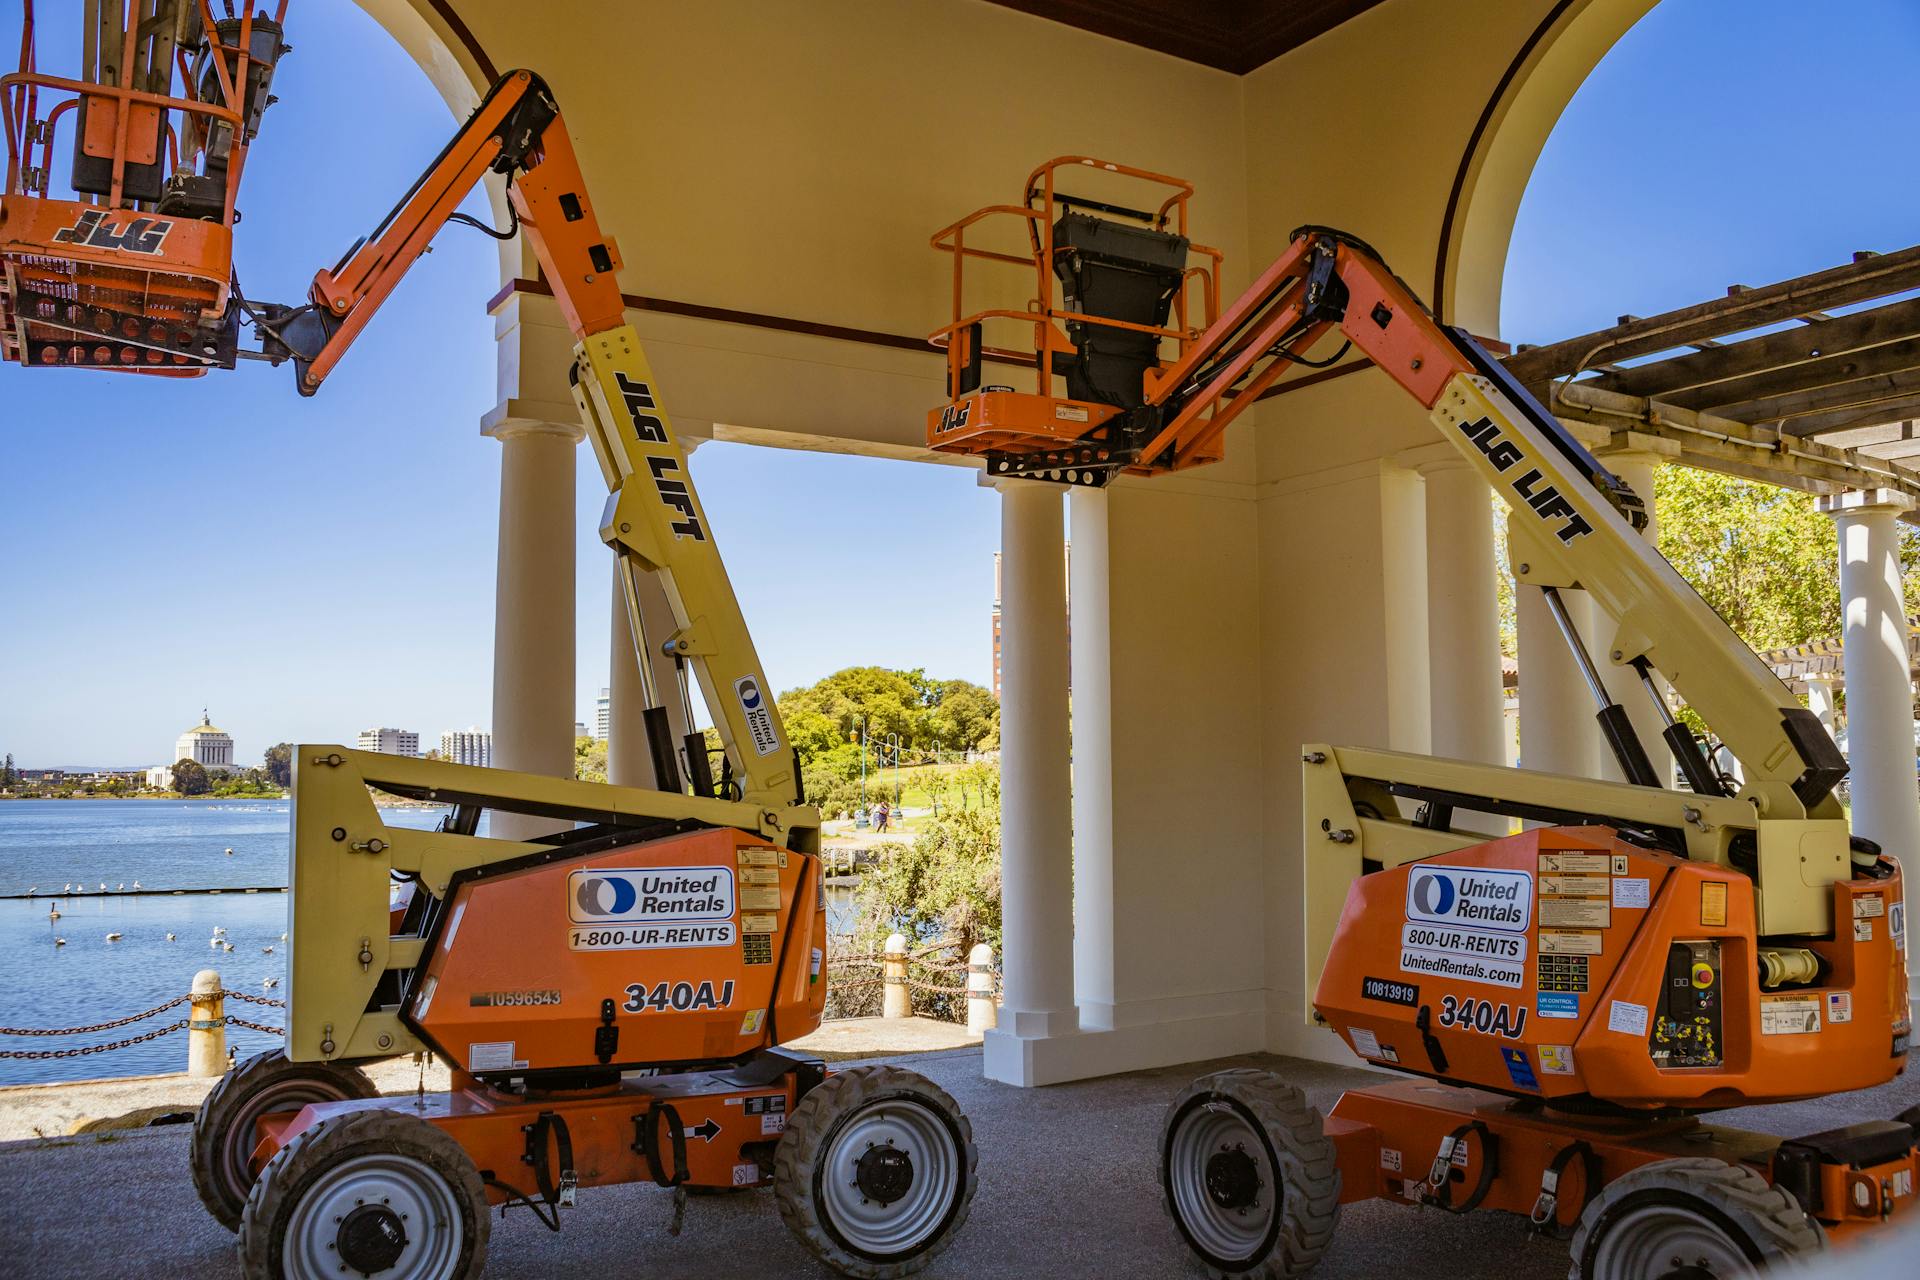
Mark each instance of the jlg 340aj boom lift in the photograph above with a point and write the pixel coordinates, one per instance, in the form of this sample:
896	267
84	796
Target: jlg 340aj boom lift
610	999
1575	996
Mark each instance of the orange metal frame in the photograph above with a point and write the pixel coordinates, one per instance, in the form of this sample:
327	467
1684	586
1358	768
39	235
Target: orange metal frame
1040	426
187	284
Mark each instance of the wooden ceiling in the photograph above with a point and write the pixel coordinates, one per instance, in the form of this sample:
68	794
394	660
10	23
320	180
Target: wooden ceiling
1233	35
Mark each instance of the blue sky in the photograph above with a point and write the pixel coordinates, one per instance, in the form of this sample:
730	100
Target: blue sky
308	568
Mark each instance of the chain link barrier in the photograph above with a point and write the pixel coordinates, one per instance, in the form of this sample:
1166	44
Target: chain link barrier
82	1051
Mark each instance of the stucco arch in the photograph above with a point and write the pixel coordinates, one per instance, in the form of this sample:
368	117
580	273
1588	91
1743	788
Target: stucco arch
1498	161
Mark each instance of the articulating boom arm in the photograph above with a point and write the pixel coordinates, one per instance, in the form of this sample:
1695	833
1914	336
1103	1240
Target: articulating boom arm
653	520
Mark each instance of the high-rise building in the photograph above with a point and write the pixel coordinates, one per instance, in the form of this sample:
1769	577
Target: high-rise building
390	742
602	714
580	729
467	746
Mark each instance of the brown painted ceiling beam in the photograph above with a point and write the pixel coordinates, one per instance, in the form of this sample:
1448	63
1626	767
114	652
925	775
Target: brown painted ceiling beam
1663	379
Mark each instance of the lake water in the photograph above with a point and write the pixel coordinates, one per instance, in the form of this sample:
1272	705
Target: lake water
162	844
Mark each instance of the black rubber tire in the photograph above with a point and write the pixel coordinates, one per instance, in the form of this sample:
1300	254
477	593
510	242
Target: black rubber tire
1300	1159
222	1128
1763	1220
314	1152
799	1161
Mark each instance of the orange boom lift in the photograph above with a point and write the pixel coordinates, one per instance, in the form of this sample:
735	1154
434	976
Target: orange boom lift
1570	1000
610	999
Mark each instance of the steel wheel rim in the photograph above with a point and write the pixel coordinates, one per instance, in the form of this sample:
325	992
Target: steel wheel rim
907	1223
236	1148
1228	1234
1667	1240
428	1207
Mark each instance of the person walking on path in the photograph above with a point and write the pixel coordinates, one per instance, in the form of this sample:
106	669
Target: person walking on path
881	817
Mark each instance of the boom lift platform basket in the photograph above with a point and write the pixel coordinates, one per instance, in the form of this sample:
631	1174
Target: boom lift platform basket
1577	995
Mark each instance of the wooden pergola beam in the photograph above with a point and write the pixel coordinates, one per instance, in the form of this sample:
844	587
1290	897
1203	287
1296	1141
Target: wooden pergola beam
1790	348
1867	278
1863	416
1879	373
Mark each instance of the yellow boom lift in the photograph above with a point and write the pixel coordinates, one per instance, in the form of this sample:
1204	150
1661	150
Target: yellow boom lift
611	999
1575	996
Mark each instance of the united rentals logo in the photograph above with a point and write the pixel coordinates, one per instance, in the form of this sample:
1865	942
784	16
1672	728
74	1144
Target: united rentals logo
142	235
753	705
602	895
1481	899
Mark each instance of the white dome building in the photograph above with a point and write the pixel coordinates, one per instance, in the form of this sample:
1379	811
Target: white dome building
205	745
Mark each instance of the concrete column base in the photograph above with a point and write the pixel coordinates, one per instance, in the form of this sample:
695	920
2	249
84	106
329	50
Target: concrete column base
1029	1061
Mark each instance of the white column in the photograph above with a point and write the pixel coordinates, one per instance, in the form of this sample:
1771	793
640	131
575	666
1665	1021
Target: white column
1634	464
1093	871
1820	699
533	630
1879	681
1403	577
1463	616
1557	729
1036	821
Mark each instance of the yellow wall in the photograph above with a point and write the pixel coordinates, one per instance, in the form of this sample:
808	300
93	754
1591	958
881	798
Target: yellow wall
793	158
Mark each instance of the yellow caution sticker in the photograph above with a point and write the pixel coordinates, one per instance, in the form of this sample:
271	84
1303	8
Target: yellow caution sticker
760	923
759	898
759	875
762	857
1713	903
751	1024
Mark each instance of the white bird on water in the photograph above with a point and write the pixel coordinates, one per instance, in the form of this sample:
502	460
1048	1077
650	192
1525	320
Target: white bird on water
103	886
229	853
271	983
59	942
226	946
219	930
121	887
136	884
266	951
34	890
283	937
214	943
113	937
169	937
53	913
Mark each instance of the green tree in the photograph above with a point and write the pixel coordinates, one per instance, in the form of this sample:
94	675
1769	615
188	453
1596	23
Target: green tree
279	758
945	885
8	776
964	715
190	778
590	759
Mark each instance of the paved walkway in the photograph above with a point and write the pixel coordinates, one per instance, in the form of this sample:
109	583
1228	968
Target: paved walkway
60	1110
1068	1187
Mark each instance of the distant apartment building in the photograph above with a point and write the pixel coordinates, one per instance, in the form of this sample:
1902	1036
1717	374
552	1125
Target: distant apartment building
580	729
467	746
390	742
602	714
1067	572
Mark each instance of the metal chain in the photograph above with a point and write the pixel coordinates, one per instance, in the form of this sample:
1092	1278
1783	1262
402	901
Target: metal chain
98	1026
241	995
236	1021
169	1029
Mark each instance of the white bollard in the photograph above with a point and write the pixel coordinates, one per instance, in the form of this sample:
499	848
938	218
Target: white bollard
897	1001
982	1014
207	1031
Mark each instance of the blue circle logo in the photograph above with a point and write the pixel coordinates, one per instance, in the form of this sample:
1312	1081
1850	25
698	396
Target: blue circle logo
1433	894
606	897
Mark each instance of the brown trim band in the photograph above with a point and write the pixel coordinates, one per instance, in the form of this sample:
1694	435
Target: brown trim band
466	38
1473	146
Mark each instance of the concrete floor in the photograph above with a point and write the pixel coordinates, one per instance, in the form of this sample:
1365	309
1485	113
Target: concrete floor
1068	1187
